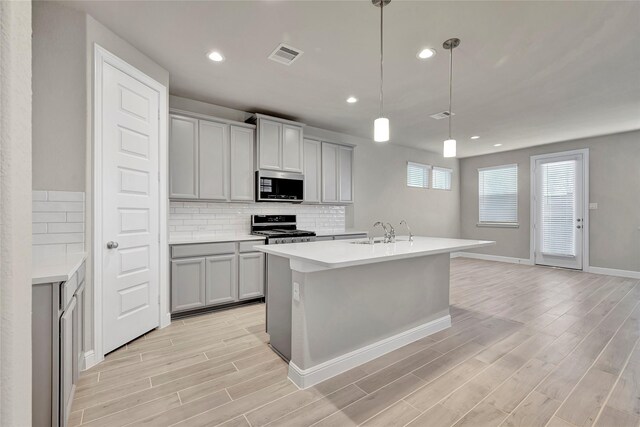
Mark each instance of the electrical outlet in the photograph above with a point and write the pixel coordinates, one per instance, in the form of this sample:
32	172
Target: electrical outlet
296	291
593	206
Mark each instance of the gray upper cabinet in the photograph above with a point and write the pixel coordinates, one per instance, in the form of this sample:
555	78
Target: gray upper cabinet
312	171
183	157
280	144
214	161
187	284
251	276
211	160
337	173
269	145
329	173
221	279
242	180
292	149
345	175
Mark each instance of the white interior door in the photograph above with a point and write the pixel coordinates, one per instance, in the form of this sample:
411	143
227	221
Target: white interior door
559	211
130	208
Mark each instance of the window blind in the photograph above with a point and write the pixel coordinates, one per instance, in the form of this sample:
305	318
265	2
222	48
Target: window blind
441	178
498	194
418	175
558	207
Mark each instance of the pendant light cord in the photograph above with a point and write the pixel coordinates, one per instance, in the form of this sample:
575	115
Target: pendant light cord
381	58
450	86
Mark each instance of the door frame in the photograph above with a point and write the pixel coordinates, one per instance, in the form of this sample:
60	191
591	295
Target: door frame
101	57
585	199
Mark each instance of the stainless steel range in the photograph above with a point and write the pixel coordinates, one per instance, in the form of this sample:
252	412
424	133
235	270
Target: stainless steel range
280	229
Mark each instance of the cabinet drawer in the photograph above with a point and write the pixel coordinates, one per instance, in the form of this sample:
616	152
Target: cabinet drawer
68	289
202	249
248	246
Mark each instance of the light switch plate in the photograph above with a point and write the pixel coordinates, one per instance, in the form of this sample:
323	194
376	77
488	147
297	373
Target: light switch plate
593	206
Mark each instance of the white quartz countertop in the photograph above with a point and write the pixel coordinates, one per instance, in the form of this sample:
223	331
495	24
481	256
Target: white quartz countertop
342	253
55	268
213	239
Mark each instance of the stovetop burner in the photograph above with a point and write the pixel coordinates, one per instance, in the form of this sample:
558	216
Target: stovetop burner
279	227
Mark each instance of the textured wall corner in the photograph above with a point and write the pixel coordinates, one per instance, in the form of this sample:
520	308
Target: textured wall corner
15	213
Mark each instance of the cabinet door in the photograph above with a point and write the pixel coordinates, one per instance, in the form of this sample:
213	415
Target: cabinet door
312	165
214	161
329	173
292	148
251	278
78	333
187	284
345	173
269	144
66	361
242	179
183	158
222	281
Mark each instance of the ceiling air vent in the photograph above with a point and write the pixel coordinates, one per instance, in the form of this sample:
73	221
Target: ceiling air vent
442	115
285	54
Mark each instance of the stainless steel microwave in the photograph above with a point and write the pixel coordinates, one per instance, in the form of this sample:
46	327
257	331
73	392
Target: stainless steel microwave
274	186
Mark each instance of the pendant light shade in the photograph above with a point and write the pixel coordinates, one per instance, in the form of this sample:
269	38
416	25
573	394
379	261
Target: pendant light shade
381	124
381	129
449	149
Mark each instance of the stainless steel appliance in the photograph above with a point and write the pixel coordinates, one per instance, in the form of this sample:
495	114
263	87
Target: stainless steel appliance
279	229
279	187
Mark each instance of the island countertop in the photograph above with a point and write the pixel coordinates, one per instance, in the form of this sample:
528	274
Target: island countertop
343	253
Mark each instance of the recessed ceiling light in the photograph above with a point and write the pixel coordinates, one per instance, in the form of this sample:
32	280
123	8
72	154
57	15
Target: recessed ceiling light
216	56
475	137
497	145
426	53
352	99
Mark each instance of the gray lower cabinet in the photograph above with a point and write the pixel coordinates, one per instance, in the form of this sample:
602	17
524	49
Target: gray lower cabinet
210	274
251	279
221	279
188	284
57	348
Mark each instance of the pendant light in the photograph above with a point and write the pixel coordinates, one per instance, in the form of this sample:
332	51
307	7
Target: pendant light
381	124
450	143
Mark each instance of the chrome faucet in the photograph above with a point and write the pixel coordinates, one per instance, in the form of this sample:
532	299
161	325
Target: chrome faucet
387	235
408	229
392	233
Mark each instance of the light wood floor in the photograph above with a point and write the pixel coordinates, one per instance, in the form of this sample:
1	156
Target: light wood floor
529	346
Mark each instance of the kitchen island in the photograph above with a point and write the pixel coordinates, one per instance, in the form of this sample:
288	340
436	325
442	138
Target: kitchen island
343	303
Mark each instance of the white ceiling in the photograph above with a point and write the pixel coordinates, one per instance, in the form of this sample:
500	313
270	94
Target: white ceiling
526	73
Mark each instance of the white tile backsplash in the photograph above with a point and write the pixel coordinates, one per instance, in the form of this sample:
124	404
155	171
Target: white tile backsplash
199	219
58	222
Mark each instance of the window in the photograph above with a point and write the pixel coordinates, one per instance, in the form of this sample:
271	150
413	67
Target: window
418	175
498	195
441	179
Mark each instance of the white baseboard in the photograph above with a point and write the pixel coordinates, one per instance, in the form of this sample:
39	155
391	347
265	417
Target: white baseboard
613	272
305	378
89	359
165	320
486	257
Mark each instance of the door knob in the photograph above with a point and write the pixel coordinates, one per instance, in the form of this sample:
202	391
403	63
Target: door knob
112	245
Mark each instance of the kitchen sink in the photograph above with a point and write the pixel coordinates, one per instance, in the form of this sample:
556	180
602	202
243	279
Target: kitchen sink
366	242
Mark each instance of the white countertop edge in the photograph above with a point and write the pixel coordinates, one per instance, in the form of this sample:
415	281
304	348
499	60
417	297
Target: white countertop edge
273	250
56	268
215	239
340	233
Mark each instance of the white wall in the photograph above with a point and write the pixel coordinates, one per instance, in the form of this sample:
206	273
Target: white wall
614	184
15	213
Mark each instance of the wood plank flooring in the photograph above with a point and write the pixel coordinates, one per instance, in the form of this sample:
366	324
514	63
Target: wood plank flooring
529	346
